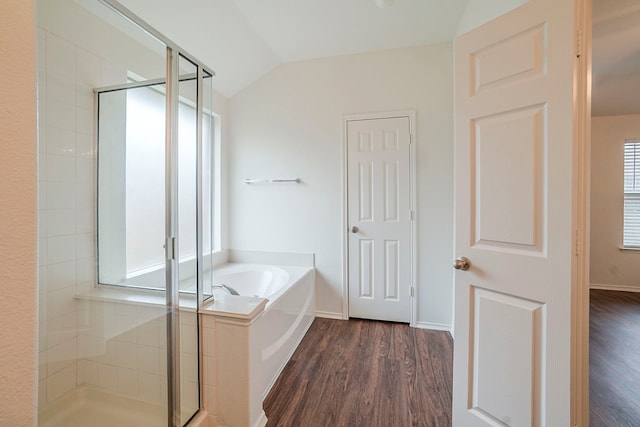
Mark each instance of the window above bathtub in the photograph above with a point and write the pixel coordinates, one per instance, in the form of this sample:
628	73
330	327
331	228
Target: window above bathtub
132	178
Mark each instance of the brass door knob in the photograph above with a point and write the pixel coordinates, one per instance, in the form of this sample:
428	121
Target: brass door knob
462	263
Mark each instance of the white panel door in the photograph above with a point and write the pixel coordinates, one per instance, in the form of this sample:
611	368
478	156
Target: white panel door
379	214
513	169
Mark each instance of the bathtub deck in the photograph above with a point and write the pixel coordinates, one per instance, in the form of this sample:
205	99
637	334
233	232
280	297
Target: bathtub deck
365	373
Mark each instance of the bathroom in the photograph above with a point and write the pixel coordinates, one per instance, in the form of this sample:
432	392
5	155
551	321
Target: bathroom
273	127
279	111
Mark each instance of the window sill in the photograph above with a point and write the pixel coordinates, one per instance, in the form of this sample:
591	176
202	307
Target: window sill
630	250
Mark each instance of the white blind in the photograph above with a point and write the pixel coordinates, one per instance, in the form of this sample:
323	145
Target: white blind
632	194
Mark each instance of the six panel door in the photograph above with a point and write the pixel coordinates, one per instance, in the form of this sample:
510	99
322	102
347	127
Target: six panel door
513	174
379	210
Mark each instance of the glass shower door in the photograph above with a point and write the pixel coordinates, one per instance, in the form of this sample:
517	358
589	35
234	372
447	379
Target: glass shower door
119	343
189	261
194	210
131	238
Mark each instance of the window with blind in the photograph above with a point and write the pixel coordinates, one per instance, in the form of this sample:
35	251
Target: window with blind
631	194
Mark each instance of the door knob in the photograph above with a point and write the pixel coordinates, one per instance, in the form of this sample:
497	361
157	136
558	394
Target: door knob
354	229
462	263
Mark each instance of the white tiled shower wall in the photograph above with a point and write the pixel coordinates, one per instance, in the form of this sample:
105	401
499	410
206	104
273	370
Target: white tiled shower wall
67	165
122	348
119	347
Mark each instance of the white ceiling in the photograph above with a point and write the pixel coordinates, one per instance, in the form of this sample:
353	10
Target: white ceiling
616	57
297	30
244	39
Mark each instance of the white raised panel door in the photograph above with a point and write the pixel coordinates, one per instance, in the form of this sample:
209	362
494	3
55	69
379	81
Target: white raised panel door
378	174
513	220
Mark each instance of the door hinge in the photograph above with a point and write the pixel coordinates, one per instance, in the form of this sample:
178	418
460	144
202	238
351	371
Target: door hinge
578	241
410	139
580	46
412	215
413	291
170	248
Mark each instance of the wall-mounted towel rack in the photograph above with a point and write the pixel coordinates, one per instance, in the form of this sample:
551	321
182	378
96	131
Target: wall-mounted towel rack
270	181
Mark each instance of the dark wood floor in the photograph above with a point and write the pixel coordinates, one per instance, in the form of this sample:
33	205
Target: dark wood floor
365	373
614	346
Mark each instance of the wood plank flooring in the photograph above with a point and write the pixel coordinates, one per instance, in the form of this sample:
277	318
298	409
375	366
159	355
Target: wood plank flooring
365	373
614	366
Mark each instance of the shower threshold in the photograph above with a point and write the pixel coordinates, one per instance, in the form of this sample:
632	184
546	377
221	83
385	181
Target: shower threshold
96	408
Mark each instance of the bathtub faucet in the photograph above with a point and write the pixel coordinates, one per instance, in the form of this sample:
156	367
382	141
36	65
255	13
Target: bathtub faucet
227	288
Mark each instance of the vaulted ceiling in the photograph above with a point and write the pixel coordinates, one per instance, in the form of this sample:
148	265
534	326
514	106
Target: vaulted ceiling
243	39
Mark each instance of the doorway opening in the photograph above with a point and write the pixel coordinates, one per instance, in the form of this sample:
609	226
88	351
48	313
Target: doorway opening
614	258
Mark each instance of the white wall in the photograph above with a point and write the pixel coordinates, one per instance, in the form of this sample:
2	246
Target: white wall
289	124
611	268
18	305
221	212
479	12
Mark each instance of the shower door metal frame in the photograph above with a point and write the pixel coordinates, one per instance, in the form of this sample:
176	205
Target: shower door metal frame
172	246
199	193
173	53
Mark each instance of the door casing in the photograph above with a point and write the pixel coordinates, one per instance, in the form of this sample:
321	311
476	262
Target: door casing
344	230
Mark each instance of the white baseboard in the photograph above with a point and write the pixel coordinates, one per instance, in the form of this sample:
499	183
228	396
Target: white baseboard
619	288
433	326
262	420
329	315
419	325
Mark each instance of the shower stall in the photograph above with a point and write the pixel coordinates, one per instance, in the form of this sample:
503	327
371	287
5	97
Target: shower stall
128	154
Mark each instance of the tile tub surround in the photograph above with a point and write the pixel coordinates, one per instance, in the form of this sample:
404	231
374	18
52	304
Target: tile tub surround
246	343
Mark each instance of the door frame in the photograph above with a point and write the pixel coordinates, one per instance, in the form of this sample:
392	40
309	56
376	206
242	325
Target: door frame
581	213
344	230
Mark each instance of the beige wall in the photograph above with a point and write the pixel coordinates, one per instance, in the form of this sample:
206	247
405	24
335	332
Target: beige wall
18	305
611	268
289	124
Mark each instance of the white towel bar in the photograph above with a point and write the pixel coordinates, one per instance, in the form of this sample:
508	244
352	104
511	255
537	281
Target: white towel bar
270	181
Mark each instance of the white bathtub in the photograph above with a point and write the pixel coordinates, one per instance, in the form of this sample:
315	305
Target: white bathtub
256	333
253	280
